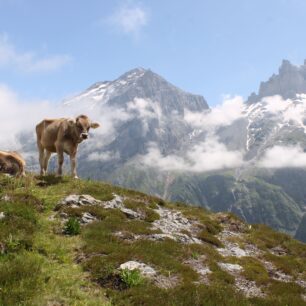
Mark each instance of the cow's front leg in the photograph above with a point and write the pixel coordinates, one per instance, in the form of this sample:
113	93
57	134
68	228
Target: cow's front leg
73	165
60	157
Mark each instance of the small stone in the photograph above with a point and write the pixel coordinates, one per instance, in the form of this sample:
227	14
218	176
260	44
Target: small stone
130	213
63	215
144	269
230	267
87	218
6	198
2	215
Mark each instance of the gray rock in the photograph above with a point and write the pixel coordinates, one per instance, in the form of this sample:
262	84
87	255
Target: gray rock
87	218
144	269
172	223
232	268
6	198
2	215
75	200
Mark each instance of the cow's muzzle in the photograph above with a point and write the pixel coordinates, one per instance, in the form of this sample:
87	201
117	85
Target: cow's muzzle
84	135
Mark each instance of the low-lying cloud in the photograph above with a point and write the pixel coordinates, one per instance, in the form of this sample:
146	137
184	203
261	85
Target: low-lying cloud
284	157
221	115
206	156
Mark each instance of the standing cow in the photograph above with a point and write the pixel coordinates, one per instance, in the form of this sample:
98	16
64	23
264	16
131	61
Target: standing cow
61	136
12	163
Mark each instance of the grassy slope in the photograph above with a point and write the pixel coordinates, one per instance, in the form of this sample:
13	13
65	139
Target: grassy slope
40	265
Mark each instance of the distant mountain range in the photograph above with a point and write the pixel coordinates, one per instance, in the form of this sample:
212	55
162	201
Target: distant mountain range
245	157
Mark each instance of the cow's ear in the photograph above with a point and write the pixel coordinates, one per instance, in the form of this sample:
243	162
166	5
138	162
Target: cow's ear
71	121
94	125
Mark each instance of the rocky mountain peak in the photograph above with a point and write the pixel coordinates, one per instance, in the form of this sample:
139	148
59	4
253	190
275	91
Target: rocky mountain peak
290	81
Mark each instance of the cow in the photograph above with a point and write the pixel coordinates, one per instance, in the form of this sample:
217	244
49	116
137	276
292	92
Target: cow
12	163
61	136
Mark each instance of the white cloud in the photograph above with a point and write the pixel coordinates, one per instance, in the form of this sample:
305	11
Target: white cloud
104	156
18	116
206	156
130	19
282	157
221	115
144	109
28	62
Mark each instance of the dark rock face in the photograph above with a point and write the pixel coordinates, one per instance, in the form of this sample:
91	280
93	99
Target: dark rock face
289	81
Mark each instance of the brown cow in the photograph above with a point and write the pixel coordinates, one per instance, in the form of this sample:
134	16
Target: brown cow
61	136
12	163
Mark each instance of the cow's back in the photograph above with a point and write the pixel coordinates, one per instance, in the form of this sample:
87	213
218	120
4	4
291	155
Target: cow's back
47	132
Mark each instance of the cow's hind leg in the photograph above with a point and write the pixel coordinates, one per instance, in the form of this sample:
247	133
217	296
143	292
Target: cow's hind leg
41	152
46	161
60	156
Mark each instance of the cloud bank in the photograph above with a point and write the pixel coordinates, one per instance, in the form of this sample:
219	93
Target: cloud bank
284	157
28	62
221	115
208	155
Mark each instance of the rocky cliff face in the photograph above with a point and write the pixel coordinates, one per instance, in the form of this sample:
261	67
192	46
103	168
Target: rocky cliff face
289	81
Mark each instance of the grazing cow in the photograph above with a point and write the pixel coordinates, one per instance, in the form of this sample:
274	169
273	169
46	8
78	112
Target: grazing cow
12	163
61	136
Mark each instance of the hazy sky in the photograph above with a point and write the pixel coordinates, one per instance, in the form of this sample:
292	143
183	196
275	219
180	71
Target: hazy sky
53	49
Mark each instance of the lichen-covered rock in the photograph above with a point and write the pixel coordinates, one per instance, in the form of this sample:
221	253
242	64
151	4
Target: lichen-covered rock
144	269
75	200
87	218
230	267
172	223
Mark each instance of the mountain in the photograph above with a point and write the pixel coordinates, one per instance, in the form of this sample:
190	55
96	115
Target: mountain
147	109
83	242
290	81
161	140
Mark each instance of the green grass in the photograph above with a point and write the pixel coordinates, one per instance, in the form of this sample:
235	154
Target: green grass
39	264
131	278
72	226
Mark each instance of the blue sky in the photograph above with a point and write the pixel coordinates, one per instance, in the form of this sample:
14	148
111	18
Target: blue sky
53	49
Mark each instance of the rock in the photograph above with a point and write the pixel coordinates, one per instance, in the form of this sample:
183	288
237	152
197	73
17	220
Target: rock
172	223
130	213
2	215
198	266
276	274
87	218
6	198
232	249
278	250
232	268
75	200
144	269
247	287
116	202
64	215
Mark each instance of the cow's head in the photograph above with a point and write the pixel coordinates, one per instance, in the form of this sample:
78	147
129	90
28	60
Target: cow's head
82	125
